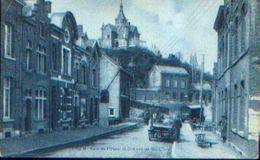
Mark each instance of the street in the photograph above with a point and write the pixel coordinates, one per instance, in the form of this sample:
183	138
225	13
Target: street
133	144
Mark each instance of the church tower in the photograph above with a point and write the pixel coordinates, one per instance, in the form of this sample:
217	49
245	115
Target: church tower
121	19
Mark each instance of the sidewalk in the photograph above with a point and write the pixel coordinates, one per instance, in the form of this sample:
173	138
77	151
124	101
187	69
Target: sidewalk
188	148
36	143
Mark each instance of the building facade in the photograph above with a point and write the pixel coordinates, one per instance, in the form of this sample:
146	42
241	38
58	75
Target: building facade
166	84
120	35
10	74
237	76
49	70
114	85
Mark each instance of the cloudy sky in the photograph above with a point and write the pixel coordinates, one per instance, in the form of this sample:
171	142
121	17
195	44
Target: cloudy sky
172	25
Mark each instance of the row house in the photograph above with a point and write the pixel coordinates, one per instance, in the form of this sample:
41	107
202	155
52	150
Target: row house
49	70
237	74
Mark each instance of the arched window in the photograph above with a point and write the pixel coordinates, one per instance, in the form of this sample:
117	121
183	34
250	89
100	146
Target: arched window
94	78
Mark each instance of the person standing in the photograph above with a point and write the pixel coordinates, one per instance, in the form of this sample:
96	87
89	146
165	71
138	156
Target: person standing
178	125
223	127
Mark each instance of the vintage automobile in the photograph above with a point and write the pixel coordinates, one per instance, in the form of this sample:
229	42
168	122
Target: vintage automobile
161	132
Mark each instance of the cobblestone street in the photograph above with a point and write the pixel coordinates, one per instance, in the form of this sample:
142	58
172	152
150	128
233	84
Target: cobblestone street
133	144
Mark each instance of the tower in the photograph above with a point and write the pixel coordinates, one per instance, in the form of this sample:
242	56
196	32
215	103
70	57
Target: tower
194	66
121	19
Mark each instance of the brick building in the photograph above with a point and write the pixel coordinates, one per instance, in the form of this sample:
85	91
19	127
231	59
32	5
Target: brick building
10	73
49	70
237	74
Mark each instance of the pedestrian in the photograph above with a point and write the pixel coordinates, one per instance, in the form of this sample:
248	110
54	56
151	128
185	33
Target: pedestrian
223	128
177	126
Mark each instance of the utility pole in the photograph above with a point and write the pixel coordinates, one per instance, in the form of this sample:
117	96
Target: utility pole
201	87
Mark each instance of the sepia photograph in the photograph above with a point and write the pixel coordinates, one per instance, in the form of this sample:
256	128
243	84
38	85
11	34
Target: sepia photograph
163	79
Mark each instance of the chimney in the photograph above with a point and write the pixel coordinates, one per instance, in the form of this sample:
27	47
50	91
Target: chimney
48	6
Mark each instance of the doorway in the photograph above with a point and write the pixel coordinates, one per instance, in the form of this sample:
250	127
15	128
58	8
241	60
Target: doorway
28	117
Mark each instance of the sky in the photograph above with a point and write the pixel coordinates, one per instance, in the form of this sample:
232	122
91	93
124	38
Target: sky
184	26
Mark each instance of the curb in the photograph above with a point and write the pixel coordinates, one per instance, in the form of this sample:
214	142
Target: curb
81	141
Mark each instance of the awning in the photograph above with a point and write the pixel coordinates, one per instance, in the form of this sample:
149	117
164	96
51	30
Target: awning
197	106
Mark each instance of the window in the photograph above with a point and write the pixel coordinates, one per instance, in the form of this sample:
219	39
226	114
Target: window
54	57
242	115
7	98
182	97
167	83
8	41
29	56
40	104
235	108
175	83
76	100
83	108
41	60
94	78
41	29
77	72
111	111
84	74
66	61
183	84
174	96
154	77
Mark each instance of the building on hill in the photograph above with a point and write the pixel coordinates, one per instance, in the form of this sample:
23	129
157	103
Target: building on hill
120	35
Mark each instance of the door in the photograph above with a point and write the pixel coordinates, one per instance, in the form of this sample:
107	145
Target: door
91	111
28	117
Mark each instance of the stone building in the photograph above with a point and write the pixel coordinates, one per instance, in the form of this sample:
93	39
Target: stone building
114	85
120	35
237	76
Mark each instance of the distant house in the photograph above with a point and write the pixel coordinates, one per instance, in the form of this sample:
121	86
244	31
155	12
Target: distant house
166	83
114	86
194	96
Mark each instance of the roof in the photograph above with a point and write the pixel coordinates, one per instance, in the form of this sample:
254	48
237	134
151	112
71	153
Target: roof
206	86
133	29
171	69
111	26
90	43
121	15
219	18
